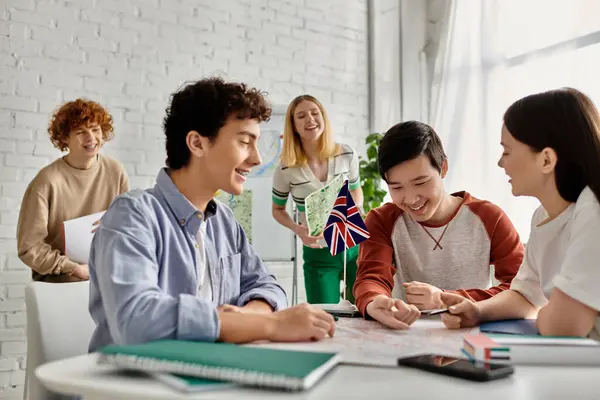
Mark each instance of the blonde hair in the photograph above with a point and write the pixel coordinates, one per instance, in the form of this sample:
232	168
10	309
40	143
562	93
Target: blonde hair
293	154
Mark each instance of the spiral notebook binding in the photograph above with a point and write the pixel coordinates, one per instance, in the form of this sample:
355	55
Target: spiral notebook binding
246	377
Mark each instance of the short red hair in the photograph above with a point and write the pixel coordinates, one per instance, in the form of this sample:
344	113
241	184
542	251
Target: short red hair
74	114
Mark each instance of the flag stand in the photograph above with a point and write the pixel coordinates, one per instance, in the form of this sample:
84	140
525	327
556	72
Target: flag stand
338	220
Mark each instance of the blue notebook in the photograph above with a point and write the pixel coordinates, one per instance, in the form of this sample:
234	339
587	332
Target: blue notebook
510	327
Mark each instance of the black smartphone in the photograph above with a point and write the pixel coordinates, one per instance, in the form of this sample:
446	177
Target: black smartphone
458	367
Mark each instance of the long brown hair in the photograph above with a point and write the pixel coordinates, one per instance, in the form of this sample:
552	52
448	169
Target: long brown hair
566	121
293	154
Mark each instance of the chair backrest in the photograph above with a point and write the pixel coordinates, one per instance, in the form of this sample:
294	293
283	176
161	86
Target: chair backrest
58	326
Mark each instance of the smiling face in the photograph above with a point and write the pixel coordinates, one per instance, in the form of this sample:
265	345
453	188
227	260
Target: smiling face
308	121
416	187
522	165
228	159
85	141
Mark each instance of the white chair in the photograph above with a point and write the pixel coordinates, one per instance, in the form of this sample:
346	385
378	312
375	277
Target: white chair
58	326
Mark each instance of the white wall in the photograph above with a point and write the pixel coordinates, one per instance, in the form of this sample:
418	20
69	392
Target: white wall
130	55
403	41
385	64
414	89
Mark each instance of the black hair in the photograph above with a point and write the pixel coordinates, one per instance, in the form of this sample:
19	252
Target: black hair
204	106
566	121
406	141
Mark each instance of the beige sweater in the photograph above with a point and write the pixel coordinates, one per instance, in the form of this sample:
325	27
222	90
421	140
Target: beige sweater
59	193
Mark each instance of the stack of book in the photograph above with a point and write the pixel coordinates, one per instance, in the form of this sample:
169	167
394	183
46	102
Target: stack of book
522	349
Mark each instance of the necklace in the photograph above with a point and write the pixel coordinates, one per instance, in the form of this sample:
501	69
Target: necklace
437	241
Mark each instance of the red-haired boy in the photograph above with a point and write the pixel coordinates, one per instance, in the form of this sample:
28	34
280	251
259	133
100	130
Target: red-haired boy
80	183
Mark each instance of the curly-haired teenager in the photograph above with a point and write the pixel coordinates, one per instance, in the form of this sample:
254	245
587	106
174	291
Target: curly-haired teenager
81	183
172	263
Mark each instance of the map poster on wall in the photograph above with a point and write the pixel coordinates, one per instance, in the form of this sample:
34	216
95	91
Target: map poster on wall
319	205
269	146
242	209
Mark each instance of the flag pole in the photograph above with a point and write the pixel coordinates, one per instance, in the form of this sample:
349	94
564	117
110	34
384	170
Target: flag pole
345	251
346	237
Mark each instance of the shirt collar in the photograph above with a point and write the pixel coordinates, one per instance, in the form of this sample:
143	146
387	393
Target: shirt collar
185	212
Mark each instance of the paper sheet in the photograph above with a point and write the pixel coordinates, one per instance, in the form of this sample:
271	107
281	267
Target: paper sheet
343	305
369	343
78	236
319	205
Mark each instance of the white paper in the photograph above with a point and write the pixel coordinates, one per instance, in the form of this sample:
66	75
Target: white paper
369	343
78	236
343	305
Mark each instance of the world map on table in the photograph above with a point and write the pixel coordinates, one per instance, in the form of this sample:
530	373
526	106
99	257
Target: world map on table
364	342
242	209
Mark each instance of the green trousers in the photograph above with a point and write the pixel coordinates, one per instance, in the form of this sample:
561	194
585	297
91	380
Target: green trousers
323	273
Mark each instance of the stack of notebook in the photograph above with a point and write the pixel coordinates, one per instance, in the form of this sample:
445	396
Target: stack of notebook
178	361
522	349
510	327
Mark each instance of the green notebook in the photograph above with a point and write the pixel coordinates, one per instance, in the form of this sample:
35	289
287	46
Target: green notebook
282	369
190	384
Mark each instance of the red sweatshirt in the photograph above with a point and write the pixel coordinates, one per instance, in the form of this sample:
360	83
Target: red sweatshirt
454	256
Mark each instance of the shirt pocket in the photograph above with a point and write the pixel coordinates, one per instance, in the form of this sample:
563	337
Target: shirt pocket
231	268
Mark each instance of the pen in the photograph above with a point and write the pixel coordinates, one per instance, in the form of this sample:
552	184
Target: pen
435	312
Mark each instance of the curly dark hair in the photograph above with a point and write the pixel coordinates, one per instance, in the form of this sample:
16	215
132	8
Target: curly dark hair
75	113
204	106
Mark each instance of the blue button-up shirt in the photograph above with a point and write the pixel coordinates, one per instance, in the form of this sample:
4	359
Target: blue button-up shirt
144	269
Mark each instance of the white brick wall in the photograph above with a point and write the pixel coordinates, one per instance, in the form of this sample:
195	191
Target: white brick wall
130	55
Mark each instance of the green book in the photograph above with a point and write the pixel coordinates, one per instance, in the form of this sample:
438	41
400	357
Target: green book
272	368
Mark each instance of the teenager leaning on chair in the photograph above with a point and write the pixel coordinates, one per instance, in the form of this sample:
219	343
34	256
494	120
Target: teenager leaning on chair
551	152
310	160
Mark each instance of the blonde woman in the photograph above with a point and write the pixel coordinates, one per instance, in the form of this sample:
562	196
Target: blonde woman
309	161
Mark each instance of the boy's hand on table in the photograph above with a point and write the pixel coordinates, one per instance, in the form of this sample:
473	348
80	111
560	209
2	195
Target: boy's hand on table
393	313
462	313
300	323
423	295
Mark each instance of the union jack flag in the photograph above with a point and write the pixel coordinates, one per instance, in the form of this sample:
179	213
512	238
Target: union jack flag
345	227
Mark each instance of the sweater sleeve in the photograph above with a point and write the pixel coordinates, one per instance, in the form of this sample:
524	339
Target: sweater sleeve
124	186
375	265
32	230
506	250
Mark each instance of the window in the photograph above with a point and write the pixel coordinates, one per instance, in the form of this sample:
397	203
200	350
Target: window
497	51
